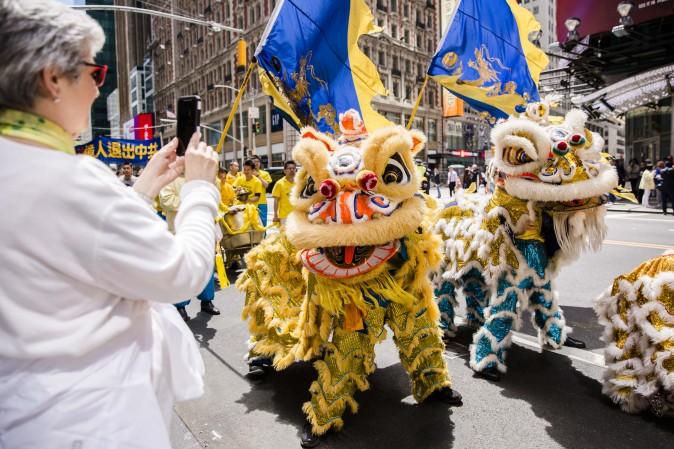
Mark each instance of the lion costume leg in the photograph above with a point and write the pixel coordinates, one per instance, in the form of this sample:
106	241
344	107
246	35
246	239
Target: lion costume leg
420	347
447	303
475	291
492	340
548	317
348	360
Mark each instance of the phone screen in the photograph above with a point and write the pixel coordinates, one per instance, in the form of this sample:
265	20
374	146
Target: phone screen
189	115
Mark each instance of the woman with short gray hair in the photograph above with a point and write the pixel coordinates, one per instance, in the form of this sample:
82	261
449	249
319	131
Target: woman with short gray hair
89	271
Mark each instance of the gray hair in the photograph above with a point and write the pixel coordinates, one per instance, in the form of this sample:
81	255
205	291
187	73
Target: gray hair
37	34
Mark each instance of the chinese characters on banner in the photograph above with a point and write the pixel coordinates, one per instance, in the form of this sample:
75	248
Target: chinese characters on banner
117	151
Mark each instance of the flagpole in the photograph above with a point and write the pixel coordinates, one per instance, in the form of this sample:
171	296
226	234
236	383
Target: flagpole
235	107
418	102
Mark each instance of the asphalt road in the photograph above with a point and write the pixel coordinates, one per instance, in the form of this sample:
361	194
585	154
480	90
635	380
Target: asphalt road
547	400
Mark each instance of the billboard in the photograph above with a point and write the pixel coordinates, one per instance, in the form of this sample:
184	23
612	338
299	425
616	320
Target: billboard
118	151
598	16
143	125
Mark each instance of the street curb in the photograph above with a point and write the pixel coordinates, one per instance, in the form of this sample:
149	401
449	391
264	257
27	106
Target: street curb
636	211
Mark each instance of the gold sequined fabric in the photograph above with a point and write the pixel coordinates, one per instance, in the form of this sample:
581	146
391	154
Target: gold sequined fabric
638	317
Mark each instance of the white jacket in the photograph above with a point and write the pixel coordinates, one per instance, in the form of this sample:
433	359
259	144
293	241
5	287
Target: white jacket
83	337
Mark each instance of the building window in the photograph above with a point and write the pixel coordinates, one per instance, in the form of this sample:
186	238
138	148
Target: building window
396	89
432	130
382	58
394	31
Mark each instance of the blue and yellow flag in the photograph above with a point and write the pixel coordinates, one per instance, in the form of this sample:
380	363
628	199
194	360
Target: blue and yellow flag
311	66
486	59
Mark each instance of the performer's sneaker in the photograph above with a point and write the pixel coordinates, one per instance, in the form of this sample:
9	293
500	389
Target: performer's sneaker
209	308
256	372
308	439
448	396
183	314
257	367
489	373
574	343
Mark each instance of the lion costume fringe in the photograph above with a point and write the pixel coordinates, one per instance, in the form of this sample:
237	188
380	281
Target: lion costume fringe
355	256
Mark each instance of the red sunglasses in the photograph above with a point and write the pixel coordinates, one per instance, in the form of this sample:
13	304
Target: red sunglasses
99	72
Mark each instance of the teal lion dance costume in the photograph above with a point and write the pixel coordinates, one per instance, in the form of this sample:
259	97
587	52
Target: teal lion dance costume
504	251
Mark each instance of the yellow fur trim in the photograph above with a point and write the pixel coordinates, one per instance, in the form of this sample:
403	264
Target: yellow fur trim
379	148
404	221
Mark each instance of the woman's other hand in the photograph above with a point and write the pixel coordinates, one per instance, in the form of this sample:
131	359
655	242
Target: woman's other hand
201	162
161	169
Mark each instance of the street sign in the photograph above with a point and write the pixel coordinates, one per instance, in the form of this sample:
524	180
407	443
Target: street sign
253	113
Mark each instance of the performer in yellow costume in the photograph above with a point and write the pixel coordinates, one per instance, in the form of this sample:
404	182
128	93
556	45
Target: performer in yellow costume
281	193
637	313
265	180
358	234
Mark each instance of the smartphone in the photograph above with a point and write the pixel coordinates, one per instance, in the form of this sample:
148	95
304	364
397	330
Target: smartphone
189	116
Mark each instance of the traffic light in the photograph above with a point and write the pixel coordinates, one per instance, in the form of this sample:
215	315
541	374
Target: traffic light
241	55
256	127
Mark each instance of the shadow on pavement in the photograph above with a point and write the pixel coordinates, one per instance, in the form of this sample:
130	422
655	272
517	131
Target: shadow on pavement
583	321
579	415
384	420
199	326
569	398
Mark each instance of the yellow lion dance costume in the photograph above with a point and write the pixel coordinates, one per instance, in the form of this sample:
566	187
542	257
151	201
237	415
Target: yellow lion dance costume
637	313
355	257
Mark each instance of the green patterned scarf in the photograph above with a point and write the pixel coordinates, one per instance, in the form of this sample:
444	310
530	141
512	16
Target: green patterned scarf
30	127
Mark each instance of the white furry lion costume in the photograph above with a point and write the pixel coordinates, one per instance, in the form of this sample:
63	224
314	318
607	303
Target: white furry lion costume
504	250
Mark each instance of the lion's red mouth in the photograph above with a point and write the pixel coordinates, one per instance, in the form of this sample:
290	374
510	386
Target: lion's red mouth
347	261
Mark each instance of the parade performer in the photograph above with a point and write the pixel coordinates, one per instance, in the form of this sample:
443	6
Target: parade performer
357	229
504	250
169	201
637	313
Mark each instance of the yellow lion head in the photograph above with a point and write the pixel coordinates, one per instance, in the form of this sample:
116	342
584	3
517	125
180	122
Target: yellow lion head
355	197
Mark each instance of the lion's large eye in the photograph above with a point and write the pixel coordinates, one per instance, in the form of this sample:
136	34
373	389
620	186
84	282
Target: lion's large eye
396	171
309	189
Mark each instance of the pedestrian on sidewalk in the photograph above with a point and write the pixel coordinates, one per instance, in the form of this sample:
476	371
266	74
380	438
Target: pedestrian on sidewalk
436	180
620	169
647	183
89	270
452	181
667	186
634	175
